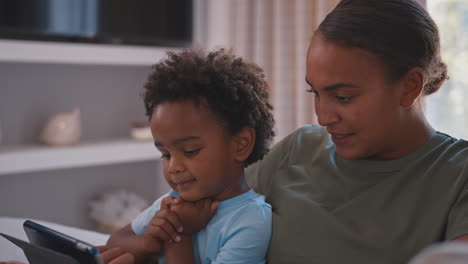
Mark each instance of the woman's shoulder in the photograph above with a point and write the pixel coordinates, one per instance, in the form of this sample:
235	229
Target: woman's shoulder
305	138
313	131
448	154
451	146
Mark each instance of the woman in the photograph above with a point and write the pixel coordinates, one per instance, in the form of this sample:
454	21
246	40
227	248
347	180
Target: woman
374	183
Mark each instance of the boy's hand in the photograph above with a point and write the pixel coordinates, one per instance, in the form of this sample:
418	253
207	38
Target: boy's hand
163	227
194	215
115	256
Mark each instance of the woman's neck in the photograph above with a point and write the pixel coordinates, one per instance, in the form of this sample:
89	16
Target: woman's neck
414	131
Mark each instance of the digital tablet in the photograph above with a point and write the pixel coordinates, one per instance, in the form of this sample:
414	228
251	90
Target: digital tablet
39	255
42	236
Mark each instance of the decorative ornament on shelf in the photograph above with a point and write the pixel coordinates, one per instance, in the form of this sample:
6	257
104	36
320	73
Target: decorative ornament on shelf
115	209
141	131
62	129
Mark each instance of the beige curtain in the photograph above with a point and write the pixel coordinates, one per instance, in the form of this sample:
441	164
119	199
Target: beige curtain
275	35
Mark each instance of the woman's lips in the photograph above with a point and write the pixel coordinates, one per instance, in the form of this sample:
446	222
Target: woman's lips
340	138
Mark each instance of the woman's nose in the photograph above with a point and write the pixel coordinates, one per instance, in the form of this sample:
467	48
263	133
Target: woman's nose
326	114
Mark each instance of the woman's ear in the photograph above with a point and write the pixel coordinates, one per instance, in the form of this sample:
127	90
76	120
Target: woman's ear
413	84
243	143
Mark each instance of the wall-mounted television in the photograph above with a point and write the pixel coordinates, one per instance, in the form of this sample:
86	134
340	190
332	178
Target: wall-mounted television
134	22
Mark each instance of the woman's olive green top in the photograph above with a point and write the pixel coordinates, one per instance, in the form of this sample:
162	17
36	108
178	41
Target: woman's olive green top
330	210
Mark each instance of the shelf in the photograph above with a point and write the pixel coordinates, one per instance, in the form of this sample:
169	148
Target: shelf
79	53
34	158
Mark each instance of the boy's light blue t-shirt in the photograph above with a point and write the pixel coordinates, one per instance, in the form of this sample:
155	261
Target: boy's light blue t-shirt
239	232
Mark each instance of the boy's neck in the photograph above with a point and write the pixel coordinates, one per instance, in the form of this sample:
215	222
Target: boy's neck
237	187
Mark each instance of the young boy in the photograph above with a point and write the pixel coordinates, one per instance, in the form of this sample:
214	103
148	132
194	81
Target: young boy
210	118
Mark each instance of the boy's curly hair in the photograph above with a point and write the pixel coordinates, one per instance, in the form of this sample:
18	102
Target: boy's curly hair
234	90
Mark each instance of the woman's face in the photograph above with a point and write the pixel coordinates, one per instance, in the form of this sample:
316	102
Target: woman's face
354	101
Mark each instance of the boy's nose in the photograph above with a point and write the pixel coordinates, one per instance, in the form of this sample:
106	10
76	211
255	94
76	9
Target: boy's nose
175	166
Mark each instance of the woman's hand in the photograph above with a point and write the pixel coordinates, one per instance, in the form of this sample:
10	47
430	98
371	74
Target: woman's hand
116	256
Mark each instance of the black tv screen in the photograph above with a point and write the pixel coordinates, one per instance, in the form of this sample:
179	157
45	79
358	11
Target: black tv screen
138	22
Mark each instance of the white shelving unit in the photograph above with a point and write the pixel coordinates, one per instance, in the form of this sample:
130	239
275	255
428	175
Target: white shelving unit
35	158
77	53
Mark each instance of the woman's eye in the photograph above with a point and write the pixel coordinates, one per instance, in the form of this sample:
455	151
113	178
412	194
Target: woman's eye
314	92
344	99
192	152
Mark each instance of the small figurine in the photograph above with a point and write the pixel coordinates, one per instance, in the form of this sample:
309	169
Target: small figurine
63	129
114	209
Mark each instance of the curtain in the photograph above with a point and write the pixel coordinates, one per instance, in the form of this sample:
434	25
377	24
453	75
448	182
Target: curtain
274	34
447	110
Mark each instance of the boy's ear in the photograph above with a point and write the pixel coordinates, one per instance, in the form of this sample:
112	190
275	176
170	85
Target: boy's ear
413	87
244	142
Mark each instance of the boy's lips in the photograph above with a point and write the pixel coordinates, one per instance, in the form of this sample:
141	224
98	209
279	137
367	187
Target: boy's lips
184	183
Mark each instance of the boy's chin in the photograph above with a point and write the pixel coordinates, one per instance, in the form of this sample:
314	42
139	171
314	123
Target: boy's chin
191	197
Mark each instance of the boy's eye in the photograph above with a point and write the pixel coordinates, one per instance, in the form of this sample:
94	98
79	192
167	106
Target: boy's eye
165	156
192	152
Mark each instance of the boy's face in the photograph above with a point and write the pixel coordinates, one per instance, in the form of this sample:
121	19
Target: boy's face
197	151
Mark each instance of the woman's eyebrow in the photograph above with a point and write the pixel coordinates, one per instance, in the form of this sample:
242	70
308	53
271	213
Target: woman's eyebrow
340	85
334	86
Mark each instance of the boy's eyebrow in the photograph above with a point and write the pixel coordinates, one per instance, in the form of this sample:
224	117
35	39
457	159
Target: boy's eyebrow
177	141
333	86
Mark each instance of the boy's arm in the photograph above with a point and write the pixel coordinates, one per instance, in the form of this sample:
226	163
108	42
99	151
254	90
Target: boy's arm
148	241
181	252
116	256
194	216
126	239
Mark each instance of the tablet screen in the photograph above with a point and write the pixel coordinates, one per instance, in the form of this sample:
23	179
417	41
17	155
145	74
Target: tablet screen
45	237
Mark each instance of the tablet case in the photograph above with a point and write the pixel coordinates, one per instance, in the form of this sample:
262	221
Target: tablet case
40	255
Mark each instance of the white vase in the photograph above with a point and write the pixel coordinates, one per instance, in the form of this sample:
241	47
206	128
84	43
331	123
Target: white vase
63	129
